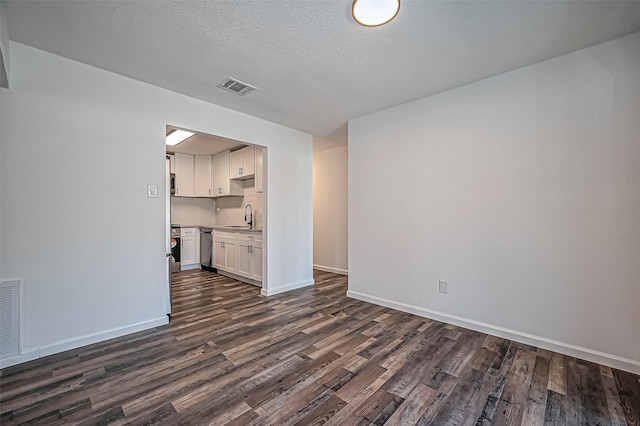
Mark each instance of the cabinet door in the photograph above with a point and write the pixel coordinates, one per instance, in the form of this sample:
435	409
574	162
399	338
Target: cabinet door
249	160
258	178
221	184
221	174
202	176
219	255
257	263
232	260
236	161
244	259
183	165
188	250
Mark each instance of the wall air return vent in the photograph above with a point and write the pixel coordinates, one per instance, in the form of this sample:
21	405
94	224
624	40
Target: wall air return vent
236	86
9	292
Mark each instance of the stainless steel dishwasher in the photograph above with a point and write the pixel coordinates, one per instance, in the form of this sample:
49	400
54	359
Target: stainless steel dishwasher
206	249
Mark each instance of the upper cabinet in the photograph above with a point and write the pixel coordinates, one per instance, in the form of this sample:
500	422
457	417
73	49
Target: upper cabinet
220	175
222	185
184	170
259	168
203	176
243	163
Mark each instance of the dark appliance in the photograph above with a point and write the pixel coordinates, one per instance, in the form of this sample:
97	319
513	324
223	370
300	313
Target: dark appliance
172	183
175	247
206	249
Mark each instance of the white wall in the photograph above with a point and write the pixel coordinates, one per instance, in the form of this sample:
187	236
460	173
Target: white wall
79	146
523	191
330	207
4	46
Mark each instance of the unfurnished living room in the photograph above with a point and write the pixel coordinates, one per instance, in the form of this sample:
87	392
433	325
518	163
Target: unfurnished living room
344	212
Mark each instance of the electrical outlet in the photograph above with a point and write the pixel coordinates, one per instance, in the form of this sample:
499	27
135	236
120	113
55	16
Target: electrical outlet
443	286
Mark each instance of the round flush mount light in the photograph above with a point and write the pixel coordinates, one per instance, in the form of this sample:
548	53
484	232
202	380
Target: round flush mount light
373	13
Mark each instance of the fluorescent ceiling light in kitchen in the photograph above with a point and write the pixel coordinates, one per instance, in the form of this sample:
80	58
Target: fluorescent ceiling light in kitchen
373	13
177	136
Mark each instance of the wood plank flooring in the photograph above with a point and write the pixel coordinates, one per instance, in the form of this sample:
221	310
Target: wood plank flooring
308	357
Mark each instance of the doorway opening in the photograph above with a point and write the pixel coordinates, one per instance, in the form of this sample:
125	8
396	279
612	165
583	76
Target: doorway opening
216	205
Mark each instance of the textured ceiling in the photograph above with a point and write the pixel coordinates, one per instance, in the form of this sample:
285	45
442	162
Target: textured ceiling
313	66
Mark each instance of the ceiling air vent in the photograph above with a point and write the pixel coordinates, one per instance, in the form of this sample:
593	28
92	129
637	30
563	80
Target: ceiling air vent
236	86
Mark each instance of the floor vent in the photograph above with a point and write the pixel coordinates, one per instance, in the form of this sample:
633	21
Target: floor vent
236	86
9	291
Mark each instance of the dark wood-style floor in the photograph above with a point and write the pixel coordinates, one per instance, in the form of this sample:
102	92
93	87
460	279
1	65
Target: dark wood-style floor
310	356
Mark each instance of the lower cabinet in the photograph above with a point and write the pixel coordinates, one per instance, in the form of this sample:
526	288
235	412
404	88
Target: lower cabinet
189	248
239	253
225	253
250	256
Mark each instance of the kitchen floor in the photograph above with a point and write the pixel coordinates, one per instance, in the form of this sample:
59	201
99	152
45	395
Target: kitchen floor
310	356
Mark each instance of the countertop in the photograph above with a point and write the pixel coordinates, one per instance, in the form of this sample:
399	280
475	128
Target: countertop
241	228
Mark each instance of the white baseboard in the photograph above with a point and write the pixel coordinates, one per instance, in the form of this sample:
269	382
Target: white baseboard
330	269
76	342
299	284
598	357
240	278
189	266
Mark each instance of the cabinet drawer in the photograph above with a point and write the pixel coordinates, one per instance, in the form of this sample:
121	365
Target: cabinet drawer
188	232
250	236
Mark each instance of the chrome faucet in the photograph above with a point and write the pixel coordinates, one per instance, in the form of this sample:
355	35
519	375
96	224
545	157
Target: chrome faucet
250	221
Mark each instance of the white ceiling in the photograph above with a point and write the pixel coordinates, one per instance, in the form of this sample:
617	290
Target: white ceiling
203	144
313	66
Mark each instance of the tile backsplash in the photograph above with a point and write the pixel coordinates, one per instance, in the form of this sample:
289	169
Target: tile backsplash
193	211
232	208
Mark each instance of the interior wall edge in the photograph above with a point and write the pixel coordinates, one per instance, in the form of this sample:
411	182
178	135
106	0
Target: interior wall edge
331	269
564	348
286	287
77	342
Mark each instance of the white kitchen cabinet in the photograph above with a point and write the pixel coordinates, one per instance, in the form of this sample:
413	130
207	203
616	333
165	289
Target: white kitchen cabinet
203	177
219	255
238	253
259	168
250	255
243	163
183	166
257	263
222	185
189	248
232	256
172	162
244	259
225	251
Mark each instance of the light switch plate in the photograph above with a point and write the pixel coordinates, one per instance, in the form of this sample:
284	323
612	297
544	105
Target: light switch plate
152	191
443	286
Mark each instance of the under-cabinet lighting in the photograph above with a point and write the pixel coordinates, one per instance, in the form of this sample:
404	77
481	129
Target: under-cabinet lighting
177	136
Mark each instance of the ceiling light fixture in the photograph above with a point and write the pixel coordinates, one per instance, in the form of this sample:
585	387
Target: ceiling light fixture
177	136
373	13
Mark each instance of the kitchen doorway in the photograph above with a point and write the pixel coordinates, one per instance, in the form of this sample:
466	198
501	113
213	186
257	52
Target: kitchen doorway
216	196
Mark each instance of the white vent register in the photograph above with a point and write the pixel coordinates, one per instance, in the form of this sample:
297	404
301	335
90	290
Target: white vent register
236	86
9	292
